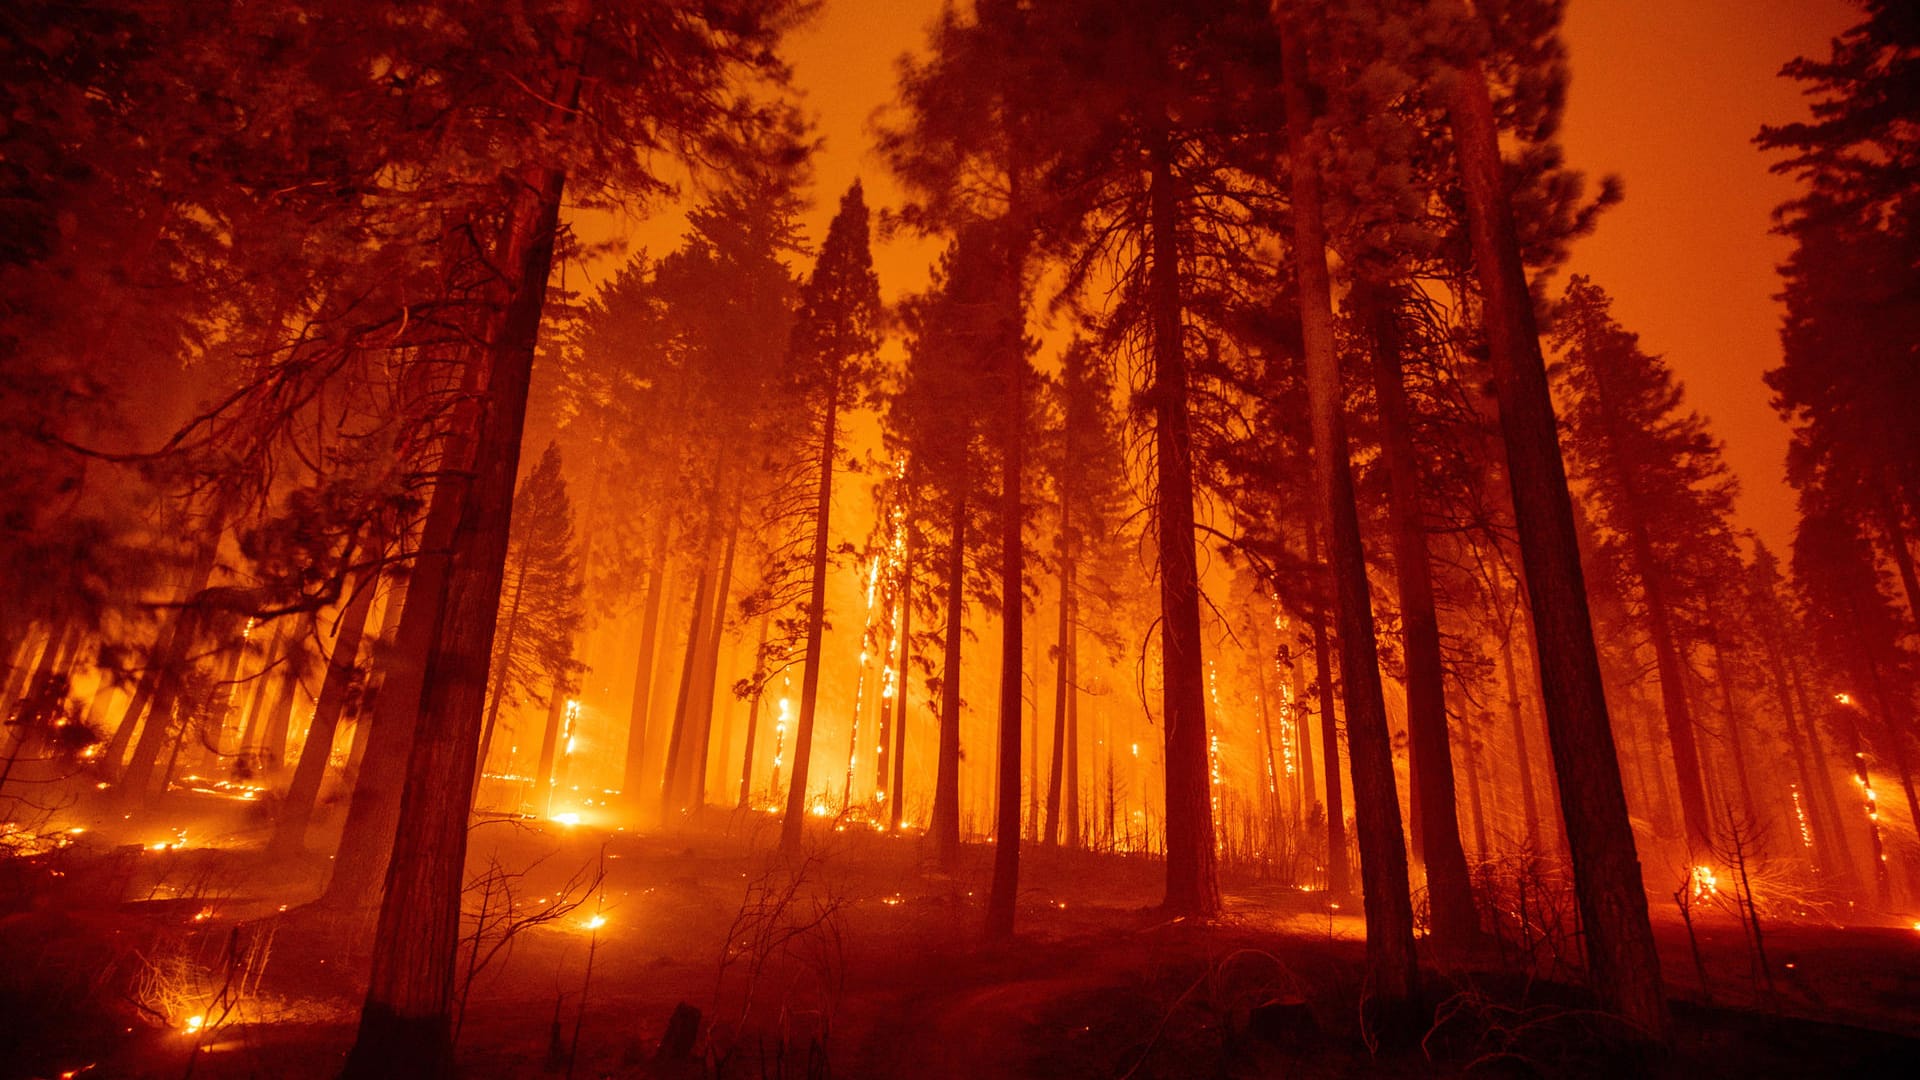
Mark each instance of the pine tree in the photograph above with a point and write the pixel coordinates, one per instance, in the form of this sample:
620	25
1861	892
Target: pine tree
1847	381
834	340
1656	487
1622	961
1391	964
933	421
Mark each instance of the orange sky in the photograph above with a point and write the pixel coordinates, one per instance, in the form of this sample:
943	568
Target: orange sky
1669	94
1666	94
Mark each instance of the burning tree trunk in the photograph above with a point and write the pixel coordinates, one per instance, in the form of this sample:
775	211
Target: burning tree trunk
1831	851
405	1024
1392	974
1339	874
1621	960
1191	883
897	792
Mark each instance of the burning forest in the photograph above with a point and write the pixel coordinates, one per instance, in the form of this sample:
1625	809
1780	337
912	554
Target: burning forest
962	538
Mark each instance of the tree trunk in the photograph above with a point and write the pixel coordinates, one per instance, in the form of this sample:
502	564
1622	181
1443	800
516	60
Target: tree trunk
405	1025
896	794
1454	918
1074	834
1893	530
1736	742
507	632
1517	717
1473	793
1822	771
296	813
753	712
1192	887
1621	960
793	825
373	813
709	676
1855	751
279	721
390	612
639	714
20	667
944	822
1057	766
1339	874
1003	892
160	684
674	788
1392	975
549	747
257	702
1832	854
1668	660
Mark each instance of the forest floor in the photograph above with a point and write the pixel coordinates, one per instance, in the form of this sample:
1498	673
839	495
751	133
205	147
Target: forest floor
863	960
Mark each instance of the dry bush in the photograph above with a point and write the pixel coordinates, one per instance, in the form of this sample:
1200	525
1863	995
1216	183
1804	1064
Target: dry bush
783	969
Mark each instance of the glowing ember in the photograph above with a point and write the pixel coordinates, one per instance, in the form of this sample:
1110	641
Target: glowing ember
1705	883
567	818
194	1024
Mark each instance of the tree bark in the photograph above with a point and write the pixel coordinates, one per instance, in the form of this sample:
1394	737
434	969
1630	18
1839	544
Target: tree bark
1621	960
1392	974
1454	919
405	1025
1192	886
